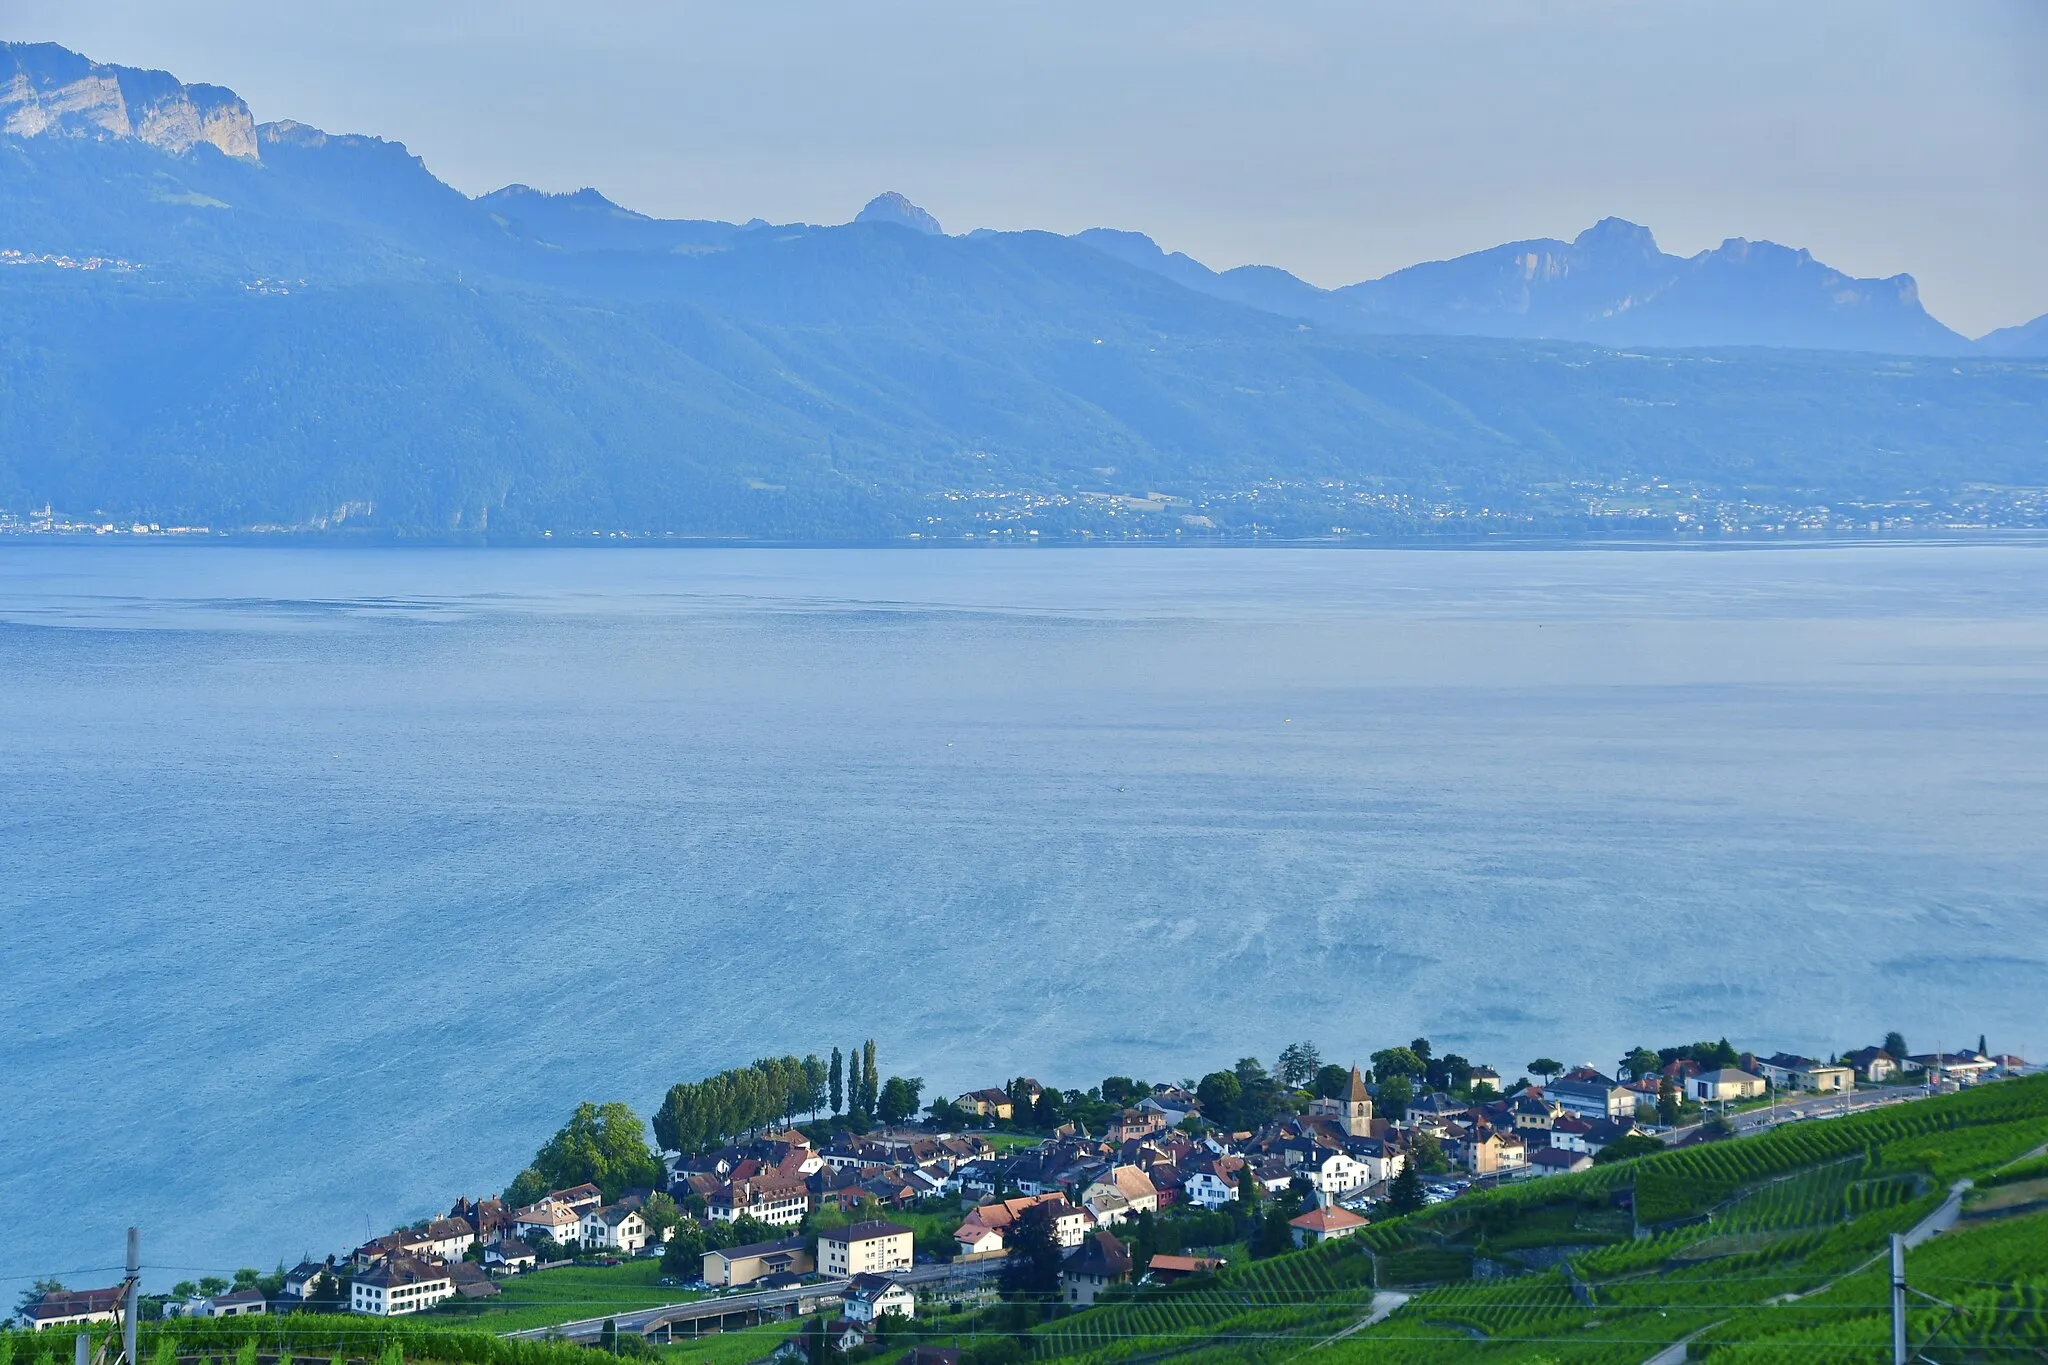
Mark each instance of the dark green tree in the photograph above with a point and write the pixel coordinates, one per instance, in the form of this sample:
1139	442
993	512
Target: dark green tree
1119	1090
1394	1094
1405	1194
1219	1093
1331	1082
1398	1061
900	1098
1895	1045
1275	1233
1031	1272
1546	1067
838	1082
1642	1062
604	1145
1298	1063
1420	1047
1425	1151
1626	1147
1668	1102
870	1079
814	1078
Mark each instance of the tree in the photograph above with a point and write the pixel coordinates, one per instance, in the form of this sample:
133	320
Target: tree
1247	1193
1275	1233
246	1277
838	1081
1982	1051
1546	1067
870	1079
900	1098
660	1214
1642	1062
1119	1090
1425	1151
183	1289
1420	1047
1625	1147
1405	1194
209	1285
1394	1094
35	1292
946	1115
1448	1072
1668	1102
683	1257
1031	1272
1219	1093
1895	1045
1397	1061
1331	1082
814	1084
1050	1111
1298	1063
604	1145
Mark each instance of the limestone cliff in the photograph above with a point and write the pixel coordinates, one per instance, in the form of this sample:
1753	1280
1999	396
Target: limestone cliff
50	91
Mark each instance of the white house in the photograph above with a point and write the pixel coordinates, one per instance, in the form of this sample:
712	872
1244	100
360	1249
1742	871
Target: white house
869	1248
869	1296
1378	1159
1215	1184
70	1308
1332	1173
399	1285
1711	1087
612	1226
549	1218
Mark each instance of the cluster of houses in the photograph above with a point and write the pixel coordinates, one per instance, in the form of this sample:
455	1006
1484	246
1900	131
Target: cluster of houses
1158	1154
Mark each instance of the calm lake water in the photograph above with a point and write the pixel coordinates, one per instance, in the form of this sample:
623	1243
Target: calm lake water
332	880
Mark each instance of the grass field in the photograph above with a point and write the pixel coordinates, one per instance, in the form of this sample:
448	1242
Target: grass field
543	1298
729	1348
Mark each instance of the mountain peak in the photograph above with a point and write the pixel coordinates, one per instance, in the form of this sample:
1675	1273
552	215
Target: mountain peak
51	91
894	208
1617	234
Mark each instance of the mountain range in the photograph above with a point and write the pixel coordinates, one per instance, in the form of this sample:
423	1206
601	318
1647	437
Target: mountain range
281	325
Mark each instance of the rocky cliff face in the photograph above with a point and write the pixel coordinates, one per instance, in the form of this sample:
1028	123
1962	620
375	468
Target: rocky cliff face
49	91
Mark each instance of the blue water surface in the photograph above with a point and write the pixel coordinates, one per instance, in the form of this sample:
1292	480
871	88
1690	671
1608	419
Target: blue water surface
330	881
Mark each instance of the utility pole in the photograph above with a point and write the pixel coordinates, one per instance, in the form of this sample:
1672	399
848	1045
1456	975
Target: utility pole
1898	1299
131	1299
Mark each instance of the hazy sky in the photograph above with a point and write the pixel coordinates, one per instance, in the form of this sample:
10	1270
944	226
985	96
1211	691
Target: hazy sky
1340	140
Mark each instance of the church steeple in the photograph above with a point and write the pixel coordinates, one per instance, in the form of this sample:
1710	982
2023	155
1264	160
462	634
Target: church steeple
1357	1106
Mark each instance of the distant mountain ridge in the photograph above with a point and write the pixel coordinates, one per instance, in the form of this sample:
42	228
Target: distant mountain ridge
1611	284
47	90
297	322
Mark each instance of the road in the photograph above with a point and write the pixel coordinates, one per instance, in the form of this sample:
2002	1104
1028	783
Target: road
1807	1107
776	1301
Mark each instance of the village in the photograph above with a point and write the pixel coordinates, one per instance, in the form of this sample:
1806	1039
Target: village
1061	1197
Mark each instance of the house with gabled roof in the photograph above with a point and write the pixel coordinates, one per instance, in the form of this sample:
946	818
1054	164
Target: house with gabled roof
1100	1262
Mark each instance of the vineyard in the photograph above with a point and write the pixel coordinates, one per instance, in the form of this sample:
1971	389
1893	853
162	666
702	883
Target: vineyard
1769	1248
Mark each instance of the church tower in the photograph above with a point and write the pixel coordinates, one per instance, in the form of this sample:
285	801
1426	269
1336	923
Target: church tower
1357	1107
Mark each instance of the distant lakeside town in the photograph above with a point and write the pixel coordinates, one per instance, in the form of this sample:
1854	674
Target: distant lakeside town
1328	510
820	1185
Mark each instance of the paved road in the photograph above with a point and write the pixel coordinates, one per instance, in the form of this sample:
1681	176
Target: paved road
1807	1107
1382	1307
719	1306
1943	1218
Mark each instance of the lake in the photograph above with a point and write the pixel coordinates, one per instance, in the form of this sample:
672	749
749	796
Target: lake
333	879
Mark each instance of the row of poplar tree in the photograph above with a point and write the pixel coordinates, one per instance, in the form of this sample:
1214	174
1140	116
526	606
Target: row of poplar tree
696	1115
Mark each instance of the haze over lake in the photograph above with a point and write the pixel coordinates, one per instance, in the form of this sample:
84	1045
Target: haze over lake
333	879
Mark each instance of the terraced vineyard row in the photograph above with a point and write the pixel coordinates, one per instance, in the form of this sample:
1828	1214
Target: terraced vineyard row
1945	1137
1794	1212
